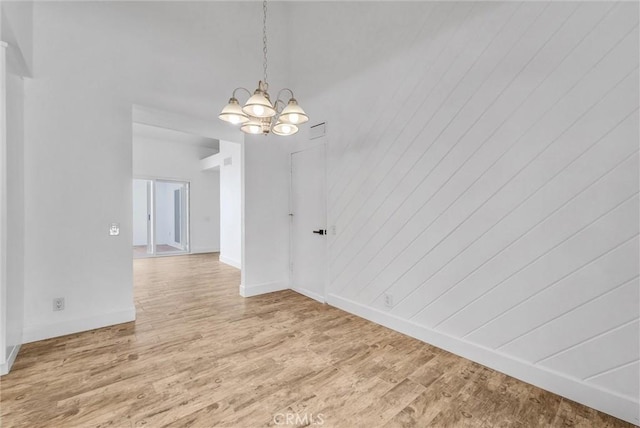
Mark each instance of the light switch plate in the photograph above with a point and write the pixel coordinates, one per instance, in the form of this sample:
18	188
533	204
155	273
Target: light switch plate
114	229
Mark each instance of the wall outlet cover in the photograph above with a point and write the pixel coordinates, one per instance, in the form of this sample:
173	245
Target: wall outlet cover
388	300
58	304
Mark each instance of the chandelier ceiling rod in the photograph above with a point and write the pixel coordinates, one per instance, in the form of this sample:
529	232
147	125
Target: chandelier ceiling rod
259	115
264	39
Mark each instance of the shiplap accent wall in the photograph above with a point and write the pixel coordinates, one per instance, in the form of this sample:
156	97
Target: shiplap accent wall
485	175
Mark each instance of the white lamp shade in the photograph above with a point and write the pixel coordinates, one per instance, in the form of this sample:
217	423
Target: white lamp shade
252	127
293	113
259	106
284	129
233	113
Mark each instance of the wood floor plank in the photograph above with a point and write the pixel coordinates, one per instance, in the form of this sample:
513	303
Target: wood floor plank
199	355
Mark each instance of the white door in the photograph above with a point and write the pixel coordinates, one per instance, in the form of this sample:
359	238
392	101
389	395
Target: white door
308	222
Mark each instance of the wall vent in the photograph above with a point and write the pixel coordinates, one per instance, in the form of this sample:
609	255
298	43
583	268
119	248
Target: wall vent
317	131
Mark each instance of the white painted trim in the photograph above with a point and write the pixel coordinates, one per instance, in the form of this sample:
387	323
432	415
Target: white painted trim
310	294
622	407
258	289
229	261
34	333
211	162
3	204
205	250
5	367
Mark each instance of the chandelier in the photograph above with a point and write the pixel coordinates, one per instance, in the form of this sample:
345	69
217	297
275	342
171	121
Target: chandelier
259	115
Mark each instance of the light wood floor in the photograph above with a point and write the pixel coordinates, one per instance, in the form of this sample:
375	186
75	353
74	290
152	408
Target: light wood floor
199	355
141	250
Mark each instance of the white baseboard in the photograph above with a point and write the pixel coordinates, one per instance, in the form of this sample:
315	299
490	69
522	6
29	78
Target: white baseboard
204	250
311	294
11	358
258	289
231	262
46	331
620	406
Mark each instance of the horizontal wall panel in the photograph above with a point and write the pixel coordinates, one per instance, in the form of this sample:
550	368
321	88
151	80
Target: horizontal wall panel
491	215
612	269
612	349
407	154
446	73
493	200
611	310
438	224
586	176
618	380
393	211
438	49
550	251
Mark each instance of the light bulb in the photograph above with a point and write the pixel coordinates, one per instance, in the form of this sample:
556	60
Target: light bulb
293	118
255	129
234	118
286	129
258	110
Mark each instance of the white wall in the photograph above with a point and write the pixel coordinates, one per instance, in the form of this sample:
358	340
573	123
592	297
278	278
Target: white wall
15	214
483	170
3	208
17	31
265	246
262	174
92	61
231	203
140	212
12	266
181	161
483	143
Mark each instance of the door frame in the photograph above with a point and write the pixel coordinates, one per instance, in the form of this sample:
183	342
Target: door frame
151	210
325	286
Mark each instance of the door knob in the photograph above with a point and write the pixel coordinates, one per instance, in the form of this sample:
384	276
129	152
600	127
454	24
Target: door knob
320	231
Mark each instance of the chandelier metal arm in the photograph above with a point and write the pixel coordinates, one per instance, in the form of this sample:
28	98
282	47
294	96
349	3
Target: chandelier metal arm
279	104
282	106
240	88
285	89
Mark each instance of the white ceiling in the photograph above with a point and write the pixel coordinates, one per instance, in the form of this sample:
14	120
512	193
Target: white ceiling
187	57
182	57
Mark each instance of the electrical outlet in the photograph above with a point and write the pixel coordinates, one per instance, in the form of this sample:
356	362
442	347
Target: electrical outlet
388	300
58	304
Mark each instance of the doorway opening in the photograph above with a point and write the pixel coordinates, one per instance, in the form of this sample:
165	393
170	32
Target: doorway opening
160	217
